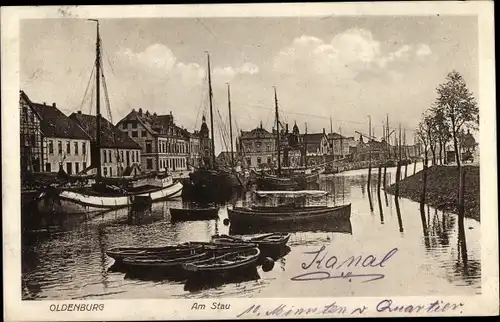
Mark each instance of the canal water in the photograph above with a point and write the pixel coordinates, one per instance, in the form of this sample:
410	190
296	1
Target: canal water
424	252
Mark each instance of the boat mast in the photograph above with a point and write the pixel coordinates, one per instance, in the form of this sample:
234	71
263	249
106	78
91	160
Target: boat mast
211	109
98	100
230	123
305	146
277	130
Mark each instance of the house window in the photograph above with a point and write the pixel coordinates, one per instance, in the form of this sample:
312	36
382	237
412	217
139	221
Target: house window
84	165
259	160
47	167
105	159
134	134
109	156
268	160
110	171
68	147
249	161
149	163
84	148
51	148
148	147
133	157
137	155
124	125
77	167
105	171
59	147
134	125
68	168
121	156
144	134
76	148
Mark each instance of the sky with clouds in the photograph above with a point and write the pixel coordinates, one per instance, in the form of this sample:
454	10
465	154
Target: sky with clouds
345	68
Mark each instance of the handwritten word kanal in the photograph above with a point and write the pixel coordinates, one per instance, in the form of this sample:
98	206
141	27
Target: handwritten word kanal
327	265
384	306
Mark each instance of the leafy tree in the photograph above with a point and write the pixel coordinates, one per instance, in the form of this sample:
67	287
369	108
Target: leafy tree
442	130
458	106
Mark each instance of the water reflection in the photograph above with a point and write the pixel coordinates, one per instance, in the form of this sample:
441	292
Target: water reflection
444	254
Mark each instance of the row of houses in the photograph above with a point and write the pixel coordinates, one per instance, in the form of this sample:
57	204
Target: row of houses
257	148
51	140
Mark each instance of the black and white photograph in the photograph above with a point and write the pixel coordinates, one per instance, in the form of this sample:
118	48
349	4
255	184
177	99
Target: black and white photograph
223	153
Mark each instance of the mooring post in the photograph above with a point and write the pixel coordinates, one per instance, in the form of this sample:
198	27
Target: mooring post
461	191
379	177
398	177
406	168
414	167
385	174
369	174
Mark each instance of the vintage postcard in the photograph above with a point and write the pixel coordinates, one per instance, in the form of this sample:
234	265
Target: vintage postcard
249	161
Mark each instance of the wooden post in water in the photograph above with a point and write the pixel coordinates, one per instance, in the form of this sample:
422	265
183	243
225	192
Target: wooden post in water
379	181
414	167
461	199
369	174
398	176
385	174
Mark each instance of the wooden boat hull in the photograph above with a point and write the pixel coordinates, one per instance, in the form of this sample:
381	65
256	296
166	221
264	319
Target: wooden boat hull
179	214
225	264
77	202
270	245
244	220
271	183
164	252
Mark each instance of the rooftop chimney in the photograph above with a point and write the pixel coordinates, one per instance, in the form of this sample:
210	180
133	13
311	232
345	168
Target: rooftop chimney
79	112
53	104
324	131
44	103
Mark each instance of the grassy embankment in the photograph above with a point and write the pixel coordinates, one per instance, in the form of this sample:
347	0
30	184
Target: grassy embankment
442	189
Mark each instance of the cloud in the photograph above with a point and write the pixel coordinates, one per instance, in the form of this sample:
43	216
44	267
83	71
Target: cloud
228	73
423	50
156	56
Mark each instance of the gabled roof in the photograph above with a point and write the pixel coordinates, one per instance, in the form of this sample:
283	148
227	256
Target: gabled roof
156	125
313	141
336	136
258	132
111	136
53	123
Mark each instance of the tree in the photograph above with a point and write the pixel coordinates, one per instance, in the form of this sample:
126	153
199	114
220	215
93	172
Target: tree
442	130
430	130
423	138
458	107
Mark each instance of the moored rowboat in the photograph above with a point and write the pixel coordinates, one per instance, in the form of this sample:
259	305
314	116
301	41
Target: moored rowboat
272	244
188	214
225	264
162	252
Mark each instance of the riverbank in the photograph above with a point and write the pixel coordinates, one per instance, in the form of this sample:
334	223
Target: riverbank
442	189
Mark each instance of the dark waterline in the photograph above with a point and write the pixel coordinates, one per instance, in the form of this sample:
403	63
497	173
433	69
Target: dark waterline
435	255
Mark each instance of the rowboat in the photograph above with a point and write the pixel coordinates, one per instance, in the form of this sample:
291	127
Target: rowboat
287	208
270	245
224	247
225	264
152	267
265	181
119	254
188	214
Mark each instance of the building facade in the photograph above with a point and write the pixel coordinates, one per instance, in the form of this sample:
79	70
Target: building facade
164	145
340	145
31	139
257	148
117	151
65	144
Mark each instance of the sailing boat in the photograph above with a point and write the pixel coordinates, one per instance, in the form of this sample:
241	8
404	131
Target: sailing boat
209	183
276	182
106	193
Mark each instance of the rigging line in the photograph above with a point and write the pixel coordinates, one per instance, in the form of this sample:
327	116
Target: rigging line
208	29
202	99
87	88
91	100
315	116
121	92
